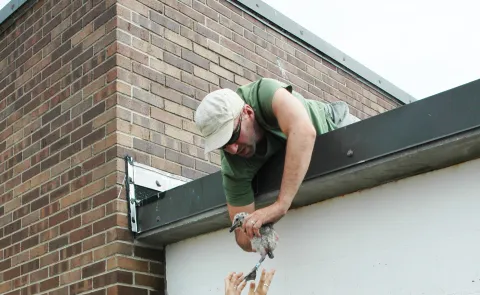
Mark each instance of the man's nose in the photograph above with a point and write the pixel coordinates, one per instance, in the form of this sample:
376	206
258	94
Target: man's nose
232	148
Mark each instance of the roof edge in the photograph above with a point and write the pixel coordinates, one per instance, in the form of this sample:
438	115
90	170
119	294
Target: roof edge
332	54
403	142
9	9
416	161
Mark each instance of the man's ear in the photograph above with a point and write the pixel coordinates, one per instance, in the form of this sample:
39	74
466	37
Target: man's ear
249	111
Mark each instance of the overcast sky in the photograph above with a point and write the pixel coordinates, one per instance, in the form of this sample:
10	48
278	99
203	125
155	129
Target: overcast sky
422	46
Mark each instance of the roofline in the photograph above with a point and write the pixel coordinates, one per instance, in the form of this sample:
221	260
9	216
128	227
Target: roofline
9	9
258	7
330	53
416	138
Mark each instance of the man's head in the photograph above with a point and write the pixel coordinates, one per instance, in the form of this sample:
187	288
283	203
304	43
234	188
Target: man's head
227	123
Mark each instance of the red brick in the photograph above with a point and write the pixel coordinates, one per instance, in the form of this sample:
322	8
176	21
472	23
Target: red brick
50	209
58	243
110	278
21	212
80	234
82	181
49	284
13	250
70	225
124	290
70	175
42	154
71	251
94	162
49	259
59	268
30	266
93	215
39	275
12	273
94	242
47	187
20	235
39	226
93	269
81	260
81	287
60	192
93	137
105	224
156	283
105	197
149	253
59	217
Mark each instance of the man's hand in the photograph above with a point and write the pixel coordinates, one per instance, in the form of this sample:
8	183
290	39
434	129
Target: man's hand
255	220
241	238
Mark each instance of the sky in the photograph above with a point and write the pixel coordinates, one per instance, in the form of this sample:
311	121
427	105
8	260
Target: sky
421	46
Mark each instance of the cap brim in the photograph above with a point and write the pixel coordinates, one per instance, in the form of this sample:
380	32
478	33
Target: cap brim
219	138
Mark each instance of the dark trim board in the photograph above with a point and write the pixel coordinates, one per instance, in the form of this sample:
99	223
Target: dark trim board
428	134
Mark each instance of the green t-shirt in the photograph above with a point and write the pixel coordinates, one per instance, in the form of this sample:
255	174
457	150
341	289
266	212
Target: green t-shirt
238	172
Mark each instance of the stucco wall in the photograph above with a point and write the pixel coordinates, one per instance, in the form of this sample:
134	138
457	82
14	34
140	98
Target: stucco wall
414	236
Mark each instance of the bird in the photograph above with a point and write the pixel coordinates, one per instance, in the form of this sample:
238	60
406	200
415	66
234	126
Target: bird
264	245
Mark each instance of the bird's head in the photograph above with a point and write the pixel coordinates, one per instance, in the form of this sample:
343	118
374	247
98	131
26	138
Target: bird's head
238	220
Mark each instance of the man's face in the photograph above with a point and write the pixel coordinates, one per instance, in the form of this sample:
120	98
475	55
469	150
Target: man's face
243	141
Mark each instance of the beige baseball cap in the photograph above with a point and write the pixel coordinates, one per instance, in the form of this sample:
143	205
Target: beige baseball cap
215	117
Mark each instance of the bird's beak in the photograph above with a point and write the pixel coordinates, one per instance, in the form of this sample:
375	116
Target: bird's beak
234	226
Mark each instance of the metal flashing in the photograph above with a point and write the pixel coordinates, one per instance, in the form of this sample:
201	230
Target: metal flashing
330	52
429	134
10	8
144	185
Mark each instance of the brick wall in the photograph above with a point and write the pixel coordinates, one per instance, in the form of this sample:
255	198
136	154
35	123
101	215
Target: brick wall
63	227
82	84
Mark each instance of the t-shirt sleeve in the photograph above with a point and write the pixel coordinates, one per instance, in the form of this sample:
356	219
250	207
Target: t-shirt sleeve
266	90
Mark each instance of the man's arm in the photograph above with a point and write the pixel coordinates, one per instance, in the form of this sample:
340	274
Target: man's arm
237	175
242	240
295	123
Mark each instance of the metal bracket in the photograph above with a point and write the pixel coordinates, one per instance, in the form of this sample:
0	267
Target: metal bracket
144	184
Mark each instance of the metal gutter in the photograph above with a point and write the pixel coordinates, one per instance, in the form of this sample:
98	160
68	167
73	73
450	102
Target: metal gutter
288	27
426	135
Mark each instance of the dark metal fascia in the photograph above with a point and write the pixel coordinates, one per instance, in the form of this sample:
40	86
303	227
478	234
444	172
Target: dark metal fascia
422	136
287	27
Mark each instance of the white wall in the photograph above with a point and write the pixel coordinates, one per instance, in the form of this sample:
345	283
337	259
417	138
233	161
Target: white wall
416	236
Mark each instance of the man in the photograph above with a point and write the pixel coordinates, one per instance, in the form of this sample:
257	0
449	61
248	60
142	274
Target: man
252	124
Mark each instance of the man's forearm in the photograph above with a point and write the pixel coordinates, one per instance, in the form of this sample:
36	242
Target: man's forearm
243	241
299	150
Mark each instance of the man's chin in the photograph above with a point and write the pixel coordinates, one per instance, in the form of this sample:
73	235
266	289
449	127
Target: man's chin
250	153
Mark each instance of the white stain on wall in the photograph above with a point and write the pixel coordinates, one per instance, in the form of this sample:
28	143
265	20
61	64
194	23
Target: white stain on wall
420	235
